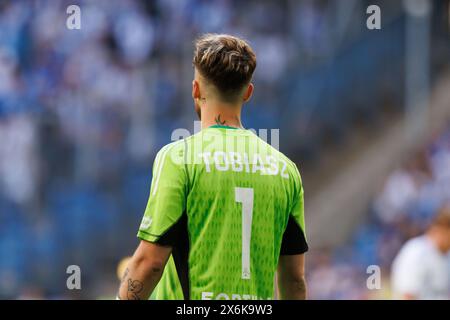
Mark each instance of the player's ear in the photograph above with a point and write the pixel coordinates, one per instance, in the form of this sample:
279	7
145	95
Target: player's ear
248	92
195	89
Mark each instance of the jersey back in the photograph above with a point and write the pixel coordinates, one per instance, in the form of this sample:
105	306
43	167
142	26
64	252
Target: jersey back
222	199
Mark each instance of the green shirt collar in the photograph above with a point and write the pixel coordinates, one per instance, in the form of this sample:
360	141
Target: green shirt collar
222	127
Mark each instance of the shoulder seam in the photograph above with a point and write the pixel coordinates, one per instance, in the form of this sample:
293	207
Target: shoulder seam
159	166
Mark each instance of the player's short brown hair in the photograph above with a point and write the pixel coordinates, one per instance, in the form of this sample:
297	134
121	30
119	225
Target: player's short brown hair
226	61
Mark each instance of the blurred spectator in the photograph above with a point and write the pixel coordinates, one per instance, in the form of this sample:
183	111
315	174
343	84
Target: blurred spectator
409	201
18	158
420	270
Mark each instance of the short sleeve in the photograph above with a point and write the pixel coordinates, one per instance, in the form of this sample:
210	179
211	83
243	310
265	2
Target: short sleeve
167	199
294	237
298	209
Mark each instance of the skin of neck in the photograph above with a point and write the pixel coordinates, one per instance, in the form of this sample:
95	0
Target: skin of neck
217	113
214	111
437	237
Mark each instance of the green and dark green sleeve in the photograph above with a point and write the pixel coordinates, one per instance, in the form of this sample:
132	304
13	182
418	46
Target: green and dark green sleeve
167	200
294	238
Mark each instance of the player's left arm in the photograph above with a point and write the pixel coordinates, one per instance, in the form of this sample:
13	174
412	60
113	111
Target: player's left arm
291	277
144	271
291	264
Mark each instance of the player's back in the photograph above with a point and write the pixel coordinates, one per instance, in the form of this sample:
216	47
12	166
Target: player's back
239	194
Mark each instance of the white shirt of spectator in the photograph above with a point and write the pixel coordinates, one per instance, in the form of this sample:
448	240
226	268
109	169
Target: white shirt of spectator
421	270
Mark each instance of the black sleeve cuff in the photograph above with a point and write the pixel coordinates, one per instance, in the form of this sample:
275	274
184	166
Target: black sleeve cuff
294	241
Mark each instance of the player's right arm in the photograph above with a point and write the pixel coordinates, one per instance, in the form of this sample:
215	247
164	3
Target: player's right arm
291	264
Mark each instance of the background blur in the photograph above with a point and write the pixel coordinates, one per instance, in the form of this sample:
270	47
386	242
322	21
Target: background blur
364	113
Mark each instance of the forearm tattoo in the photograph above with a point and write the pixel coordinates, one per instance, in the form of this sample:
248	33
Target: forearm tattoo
135	287
125	274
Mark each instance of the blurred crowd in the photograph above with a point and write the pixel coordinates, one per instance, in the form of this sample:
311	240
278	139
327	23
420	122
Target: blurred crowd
83	112
410	197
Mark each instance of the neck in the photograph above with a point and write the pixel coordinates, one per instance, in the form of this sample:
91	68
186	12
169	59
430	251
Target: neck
223	115
435	240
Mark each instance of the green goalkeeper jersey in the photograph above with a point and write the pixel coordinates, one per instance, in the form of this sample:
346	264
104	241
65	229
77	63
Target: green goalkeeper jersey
229	204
